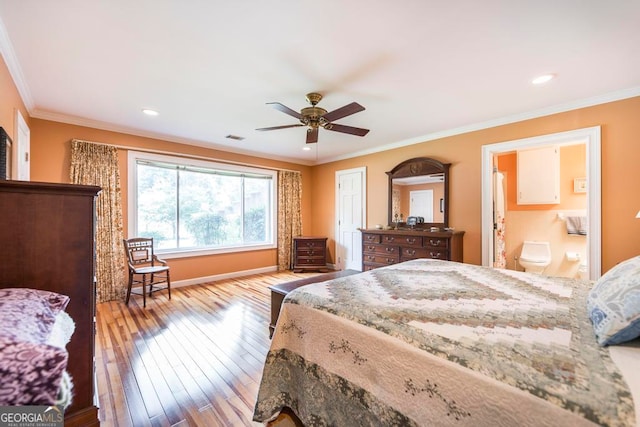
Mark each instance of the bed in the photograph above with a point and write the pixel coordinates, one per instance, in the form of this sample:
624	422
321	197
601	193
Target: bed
34	332
429	342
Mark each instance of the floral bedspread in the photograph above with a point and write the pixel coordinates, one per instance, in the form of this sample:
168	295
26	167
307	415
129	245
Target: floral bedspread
430	342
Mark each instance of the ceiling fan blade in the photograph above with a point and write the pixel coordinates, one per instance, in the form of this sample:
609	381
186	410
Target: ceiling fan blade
285	109
347	129
281	127
312	135
345	111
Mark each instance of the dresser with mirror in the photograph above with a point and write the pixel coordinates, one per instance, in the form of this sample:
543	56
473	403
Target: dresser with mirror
418	217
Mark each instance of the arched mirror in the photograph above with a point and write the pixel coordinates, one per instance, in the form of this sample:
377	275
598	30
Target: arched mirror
419	193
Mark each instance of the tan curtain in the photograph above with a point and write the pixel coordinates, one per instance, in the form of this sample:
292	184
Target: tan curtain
289	214
96	164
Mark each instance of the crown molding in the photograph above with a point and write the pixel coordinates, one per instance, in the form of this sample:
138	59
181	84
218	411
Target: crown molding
10	58
95	124
547	111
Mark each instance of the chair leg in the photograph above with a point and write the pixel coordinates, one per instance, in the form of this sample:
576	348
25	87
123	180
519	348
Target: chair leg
169	284
144	291
126	302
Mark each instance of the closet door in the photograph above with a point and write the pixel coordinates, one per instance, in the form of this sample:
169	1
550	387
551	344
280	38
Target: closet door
539	176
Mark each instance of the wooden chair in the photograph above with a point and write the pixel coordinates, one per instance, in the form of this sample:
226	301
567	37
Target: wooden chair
145	268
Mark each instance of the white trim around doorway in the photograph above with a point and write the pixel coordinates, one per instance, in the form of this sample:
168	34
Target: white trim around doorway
589	136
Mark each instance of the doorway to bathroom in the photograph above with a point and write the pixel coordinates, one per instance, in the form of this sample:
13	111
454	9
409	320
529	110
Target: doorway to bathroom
580	191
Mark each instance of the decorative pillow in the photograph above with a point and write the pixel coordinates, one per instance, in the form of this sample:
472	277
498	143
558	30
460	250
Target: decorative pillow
614	304
29	314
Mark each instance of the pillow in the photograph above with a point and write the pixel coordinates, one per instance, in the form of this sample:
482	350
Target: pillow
613	304
29	314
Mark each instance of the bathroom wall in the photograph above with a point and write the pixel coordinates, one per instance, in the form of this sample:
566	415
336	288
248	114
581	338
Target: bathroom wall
541	222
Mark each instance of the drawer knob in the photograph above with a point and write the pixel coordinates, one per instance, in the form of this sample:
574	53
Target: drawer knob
434	254
411	240
390	249
411	252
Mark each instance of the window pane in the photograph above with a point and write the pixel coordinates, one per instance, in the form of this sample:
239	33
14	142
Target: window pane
257	196
193	206
156	188
209	209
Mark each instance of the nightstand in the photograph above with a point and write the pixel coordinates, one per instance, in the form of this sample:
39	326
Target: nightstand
309	253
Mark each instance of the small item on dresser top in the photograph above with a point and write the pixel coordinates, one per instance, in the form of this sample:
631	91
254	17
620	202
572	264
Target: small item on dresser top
434	229
576	225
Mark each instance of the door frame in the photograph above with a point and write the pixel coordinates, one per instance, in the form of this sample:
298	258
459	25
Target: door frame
589	136
363	208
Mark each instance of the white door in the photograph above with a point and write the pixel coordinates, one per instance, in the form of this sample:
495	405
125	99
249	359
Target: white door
350	216
421	204
22	146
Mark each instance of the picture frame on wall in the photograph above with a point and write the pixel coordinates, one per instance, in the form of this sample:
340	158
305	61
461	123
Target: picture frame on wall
6	155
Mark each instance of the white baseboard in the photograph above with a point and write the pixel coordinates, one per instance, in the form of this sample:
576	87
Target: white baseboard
207	279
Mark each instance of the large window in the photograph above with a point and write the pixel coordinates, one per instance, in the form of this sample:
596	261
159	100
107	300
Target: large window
189	205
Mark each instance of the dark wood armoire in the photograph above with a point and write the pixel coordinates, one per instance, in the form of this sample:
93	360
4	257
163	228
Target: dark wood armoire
47	242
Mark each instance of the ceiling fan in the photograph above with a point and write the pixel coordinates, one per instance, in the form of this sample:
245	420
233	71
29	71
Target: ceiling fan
315	117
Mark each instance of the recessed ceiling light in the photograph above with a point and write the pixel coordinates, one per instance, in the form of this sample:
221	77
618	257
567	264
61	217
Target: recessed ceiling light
306	148
149	112
542	79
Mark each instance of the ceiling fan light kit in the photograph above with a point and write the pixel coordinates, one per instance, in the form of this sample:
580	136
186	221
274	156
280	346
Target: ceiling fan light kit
316	117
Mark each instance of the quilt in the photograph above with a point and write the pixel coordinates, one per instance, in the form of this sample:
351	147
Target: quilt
430	342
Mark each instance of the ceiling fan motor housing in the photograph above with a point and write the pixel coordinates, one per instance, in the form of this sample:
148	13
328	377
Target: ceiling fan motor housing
312	116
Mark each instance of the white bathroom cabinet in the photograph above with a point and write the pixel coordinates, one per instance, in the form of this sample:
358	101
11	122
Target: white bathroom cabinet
539	176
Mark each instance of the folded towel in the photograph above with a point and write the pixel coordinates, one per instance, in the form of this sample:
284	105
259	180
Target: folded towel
577	225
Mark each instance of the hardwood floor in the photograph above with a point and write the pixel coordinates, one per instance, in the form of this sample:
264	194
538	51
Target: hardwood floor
193	361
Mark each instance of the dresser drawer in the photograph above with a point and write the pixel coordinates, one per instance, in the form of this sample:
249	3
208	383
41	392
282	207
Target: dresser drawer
370	238
433	253
436	242
382	249
381	259
411	253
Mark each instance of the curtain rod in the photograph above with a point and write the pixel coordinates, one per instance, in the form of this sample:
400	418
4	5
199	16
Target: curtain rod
186	156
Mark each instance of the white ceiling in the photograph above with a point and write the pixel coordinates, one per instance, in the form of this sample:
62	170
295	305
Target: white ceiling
422	68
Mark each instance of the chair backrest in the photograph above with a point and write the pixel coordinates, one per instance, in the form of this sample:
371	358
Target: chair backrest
139	250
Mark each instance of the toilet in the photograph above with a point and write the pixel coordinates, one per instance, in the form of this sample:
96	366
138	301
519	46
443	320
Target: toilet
535	256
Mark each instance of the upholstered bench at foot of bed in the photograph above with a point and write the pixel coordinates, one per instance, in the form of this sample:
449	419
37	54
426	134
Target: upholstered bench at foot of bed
279	291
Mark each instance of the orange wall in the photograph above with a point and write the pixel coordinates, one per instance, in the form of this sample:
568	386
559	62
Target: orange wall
50	161
10	101
620	129
620	175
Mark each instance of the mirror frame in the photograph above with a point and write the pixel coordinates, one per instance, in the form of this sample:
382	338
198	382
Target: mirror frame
416	167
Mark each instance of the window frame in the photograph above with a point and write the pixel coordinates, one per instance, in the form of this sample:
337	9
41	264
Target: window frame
132	202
